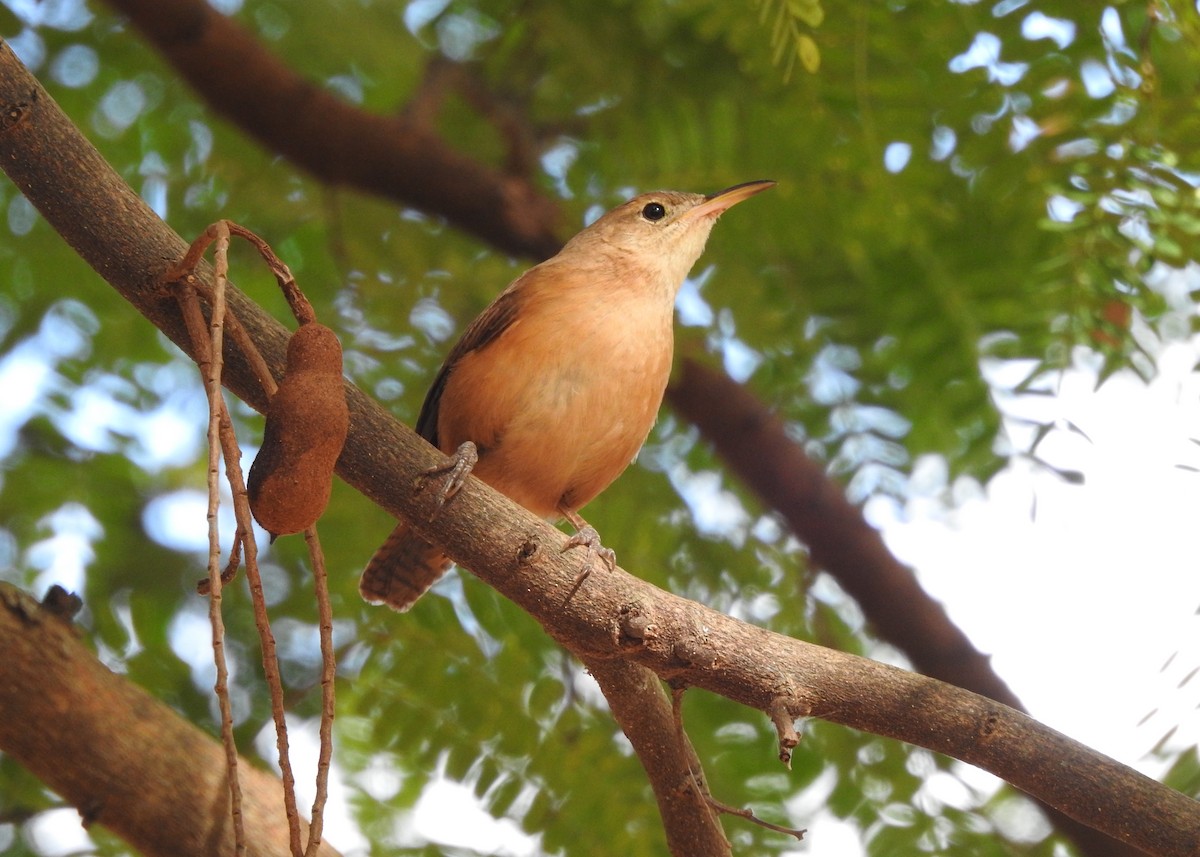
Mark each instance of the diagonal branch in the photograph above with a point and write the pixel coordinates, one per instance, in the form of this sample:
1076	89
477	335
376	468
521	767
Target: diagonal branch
74	188
337	142
754	444
636	699
611	617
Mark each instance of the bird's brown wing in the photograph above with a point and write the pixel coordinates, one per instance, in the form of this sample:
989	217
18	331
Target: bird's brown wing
493	321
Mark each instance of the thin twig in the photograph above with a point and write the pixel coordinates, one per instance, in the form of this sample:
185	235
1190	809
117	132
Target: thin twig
211	372
747	814
183	275
328	674
303	312
301	308
701	788
184	271
785	728
191	259
219	234
216	400
231	566
262	620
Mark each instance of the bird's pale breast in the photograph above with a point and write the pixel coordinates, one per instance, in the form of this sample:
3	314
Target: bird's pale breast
560	403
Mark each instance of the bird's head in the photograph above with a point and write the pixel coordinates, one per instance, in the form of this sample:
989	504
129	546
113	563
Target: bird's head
662	233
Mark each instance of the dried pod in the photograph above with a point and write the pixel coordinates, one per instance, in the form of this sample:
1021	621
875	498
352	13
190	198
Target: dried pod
307	421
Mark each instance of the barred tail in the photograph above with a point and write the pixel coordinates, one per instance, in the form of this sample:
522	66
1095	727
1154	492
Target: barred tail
402	569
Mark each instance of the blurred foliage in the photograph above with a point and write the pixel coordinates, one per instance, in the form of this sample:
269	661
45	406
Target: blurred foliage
957	181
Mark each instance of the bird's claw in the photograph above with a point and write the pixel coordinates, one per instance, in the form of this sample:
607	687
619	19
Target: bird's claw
586	536
453	474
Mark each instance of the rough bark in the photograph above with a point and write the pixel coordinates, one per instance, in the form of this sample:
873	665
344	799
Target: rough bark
638	703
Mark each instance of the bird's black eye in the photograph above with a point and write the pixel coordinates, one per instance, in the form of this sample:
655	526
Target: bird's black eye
654	211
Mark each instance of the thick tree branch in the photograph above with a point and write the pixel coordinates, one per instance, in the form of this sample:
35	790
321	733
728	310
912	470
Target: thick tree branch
242	78
372	153
614	616
337	142
123	758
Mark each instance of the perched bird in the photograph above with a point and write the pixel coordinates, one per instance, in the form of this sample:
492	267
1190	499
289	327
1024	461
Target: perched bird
552	390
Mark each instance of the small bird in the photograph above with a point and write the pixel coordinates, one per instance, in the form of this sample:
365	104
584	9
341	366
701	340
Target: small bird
553	389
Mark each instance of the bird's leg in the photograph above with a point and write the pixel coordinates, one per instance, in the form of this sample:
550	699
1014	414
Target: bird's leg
453	473
586	536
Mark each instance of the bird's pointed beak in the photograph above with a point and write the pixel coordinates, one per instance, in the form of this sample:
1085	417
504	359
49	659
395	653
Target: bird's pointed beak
717	203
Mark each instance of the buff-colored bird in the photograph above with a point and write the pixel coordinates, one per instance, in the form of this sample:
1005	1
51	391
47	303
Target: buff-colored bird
552	390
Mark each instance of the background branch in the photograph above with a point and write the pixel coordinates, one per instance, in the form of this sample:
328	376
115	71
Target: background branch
341	144
123	758
752	441
521	555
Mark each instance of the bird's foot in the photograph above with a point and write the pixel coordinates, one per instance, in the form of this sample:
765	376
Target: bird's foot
452	474
587	537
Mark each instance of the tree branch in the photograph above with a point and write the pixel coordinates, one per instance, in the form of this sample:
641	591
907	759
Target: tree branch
219	58
337	142
73	187
123	758
641	708
521	555
241	80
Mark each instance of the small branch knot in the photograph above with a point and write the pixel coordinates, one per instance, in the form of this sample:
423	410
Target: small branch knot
695	652
15	114
989	725
528	550
636	625
22	605
61	604
785	728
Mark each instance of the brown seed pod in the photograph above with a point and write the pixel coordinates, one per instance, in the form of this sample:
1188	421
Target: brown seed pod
307	422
